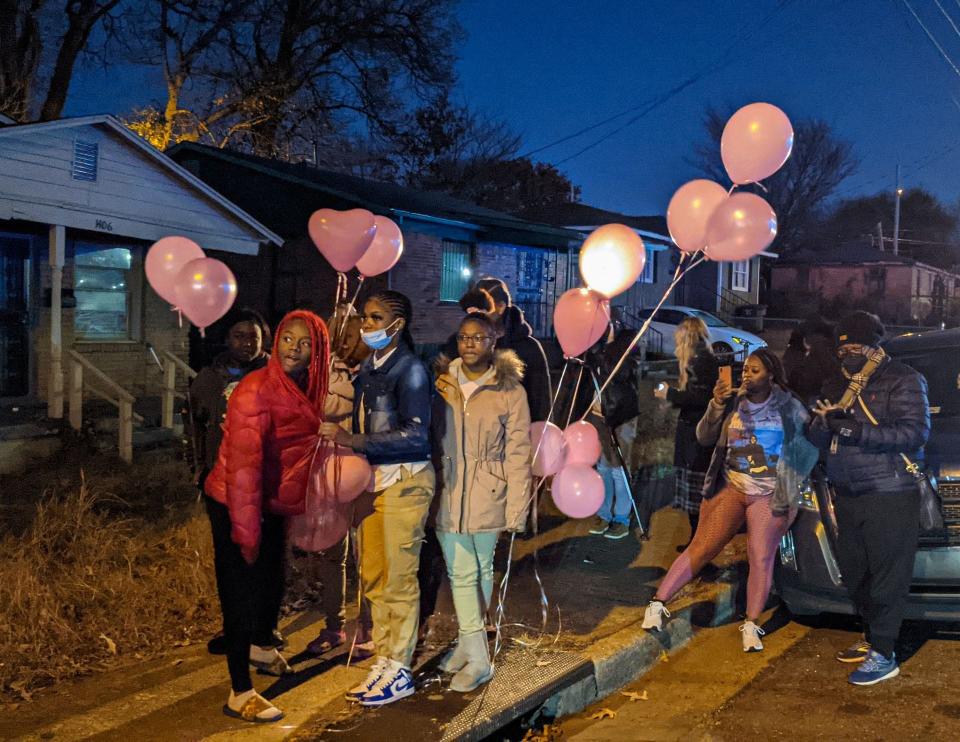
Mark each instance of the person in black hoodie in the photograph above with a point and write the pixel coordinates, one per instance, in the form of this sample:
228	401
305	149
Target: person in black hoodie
818	364
698	375
247	335
517	335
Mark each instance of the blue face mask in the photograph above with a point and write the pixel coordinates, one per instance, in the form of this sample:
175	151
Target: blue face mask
378	339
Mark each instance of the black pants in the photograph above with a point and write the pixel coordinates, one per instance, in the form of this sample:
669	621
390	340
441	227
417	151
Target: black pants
876	549
250	594
430	574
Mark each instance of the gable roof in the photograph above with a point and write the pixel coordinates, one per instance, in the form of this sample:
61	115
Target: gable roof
4	119
579	215
377	196
178	172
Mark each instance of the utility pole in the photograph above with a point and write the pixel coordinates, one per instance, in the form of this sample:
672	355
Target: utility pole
880	234
896	215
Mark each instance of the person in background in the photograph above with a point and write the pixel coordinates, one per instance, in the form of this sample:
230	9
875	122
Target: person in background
818	365
516	335
331	564
794	353
481	426
698	376
247	336
259	479
760	458
391	427
867	450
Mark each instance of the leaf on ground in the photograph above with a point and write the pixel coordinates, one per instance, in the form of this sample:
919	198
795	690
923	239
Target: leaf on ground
664	657
634	696
435	697
604	713
111	644
543	663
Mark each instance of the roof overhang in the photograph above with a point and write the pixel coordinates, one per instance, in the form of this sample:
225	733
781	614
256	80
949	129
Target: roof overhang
653	240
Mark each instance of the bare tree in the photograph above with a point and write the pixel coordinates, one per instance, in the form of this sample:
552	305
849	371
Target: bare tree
820	162
21	44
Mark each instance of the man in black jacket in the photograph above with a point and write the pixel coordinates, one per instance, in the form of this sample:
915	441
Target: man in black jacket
867	447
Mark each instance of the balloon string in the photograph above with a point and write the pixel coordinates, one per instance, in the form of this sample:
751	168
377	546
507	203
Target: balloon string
573	399
553	402
695	259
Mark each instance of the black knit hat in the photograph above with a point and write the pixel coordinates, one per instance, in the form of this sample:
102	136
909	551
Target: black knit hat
860	327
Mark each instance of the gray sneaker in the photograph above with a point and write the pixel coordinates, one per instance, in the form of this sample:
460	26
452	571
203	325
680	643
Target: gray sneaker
856	652
598	526
617	530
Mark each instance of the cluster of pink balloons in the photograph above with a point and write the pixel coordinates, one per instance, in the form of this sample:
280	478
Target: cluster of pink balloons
569	456
611	260
199	287
337	478
356	238
756	141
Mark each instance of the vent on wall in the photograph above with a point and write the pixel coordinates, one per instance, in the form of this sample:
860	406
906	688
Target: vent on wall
85	160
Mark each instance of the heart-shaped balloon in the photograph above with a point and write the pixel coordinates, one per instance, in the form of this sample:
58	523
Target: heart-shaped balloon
342	237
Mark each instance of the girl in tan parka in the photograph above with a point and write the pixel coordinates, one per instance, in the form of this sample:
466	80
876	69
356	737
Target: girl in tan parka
481	426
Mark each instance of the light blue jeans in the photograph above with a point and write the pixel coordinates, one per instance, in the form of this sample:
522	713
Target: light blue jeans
469	558
616	497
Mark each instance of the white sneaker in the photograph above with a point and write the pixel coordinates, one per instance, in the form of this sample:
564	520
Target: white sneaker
355	694
395	683
751	633
653	616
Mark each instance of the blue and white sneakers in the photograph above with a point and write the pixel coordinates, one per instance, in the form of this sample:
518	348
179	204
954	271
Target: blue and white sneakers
395	682
355	694
875	669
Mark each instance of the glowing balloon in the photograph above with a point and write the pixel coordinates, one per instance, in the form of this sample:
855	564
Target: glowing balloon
611	259
164	261
347	474
577	491
204	291
580	318
740	227
690	210
756	141
342	237
384	251
583	444
547	441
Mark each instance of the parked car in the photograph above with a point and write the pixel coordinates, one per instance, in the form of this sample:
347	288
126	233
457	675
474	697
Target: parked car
807	575
727	341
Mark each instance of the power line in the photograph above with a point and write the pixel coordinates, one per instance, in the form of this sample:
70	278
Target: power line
931	37
650	105
947	16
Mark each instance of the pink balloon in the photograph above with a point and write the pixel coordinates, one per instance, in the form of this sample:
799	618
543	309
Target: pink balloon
324	523
164	261
342	237
384	251
583	444
204	291
577	491
347	474
549	452
756	141
611	259
740	227
580	318
690	210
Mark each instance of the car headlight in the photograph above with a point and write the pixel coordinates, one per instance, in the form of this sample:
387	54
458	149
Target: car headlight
737	340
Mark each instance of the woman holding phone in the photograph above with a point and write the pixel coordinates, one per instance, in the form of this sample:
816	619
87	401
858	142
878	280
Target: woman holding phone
698	375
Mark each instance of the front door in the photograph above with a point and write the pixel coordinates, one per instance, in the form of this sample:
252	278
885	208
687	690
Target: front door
14	350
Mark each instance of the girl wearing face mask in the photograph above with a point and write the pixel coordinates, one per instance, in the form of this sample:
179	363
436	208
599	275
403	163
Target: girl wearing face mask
760	458
259	479
391	423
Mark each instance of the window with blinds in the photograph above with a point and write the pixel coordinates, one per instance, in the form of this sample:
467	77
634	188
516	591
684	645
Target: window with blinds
456	270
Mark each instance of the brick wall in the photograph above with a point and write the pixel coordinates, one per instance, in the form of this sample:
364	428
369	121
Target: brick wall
418	276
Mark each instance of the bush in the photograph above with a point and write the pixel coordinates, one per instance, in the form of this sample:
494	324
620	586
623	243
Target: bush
82	588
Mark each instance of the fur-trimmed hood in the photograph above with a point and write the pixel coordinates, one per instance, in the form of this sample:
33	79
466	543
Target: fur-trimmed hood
507	366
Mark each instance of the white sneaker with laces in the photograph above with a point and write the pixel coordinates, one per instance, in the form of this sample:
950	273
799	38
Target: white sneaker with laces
355	694
751	633
653	616
395	683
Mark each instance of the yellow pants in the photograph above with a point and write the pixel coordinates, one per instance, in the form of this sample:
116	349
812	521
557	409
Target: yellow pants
391	533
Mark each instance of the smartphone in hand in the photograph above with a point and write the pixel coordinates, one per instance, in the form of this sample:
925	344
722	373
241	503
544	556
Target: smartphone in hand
726	374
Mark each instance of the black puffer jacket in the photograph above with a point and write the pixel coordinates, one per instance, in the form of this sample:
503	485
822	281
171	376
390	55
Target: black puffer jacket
518	337
897	397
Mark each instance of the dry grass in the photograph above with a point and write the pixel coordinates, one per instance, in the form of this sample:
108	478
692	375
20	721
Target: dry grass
84	587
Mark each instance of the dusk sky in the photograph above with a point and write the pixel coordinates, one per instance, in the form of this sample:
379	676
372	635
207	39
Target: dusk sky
553	67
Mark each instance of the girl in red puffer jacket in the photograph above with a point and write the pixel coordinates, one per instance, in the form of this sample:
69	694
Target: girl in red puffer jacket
260	477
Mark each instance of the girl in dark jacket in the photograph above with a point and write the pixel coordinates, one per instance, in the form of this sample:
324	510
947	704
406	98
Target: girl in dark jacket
391	424
698	374
259	479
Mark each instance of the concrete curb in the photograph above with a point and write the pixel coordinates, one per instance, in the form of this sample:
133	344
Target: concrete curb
629	653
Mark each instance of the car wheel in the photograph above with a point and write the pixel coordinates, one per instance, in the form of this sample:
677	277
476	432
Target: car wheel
723	352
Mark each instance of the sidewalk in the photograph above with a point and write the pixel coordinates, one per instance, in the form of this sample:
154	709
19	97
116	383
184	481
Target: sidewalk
592	644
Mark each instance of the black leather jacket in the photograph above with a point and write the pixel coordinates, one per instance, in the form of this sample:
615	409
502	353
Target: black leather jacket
897	397
394	403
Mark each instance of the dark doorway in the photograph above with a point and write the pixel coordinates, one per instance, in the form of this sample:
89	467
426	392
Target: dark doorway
14	351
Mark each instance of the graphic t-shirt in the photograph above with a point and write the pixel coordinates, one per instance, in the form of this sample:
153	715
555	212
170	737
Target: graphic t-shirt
754	445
